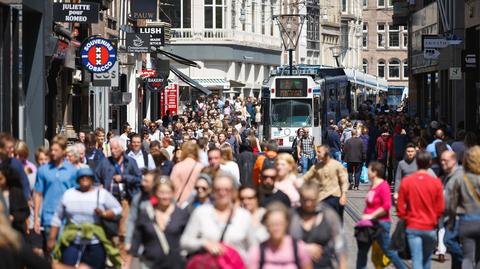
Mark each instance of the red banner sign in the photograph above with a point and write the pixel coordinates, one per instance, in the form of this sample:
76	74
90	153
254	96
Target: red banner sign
147	73
169	99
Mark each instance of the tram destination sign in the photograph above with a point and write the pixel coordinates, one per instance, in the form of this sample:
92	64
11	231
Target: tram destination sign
82	13
291	87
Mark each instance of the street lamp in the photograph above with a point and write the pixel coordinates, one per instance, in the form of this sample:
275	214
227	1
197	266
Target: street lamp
288	34
336	52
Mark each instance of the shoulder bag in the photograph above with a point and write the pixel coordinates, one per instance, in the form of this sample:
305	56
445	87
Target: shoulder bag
109	226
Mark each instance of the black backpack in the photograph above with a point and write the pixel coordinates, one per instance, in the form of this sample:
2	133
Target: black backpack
440	147
295	254
268	162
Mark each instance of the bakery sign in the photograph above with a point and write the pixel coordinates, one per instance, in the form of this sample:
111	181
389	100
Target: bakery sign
82	13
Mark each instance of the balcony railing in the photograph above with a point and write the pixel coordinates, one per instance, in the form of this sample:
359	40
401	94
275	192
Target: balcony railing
224	35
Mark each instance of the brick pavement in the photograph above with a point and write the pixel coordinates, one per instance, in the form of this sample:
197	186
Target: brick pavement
356	204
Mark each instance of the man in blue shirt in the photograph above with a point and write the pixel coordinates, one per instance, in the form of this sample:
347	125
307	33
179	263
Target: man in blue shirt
53	179
439	137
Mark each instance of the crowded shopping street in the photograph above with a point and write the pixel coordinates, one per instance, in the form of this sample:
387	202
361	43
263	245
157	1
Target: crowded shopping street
239	134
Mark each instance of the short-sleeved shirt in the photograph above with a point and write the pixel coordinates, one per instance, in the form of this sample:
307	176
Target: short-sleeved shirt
283	257
52	181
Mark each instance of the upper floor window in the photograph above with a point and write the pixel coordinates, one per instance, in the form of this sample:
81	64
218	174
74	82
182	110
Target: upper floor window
365	66
381	68
394	69
381	35
213	14
365	3
365	36
344	5
405	37
380	3
405	69
394	36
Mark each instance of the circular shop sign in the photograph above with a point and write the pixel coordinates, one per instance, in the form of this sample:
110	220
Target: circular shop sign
98	55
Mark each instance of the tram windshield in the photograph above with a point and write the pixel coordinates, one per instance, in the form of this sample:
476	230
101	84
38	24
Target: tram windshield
291	113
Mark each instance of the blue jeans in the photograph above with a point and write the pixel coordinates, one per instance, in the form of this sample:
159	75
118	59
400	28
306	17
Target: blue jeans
337	155
93	255
384	241
452	242
421	245
306	163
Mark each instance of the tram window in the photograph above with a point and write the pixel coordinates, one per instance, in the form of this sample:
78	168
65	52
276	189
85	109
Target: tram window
316	111
294	113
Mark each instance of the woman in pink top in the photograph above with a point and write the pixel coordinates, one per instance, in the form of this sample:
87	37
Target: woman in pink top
287	177
378	203
280	250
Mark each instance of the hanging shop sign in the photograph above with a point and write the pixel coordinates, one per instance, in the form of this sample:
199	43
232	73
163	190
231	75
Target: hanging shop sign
82	13
470	60
138	43
169	99
98	55
147	73
155	84
144	9
157	34
107	79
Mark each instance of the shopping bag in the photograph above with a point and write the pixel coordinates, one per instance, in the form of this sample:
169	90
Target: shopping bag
379	259
364	175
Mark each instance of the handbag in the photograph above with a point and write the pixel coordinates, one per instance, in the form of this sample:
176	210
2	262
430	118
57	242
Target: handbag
399	240
110	227
229	260
367	231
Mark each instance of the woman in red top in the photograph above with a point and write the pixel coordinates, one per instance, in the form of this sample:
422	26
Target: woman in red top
378	203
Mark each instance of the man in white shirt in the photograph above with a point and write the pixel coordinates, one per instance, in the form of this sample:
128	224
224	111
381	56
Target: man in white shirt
124	136
144	160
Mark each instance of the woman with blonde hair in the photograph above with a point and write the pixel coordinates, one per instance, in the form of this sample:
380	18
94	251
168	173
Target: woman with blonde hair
287	177
228	165
466	195
185	172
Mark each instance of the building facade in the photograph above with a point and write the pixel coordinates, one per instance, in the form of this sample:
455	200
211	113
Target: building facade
438	89
235	42
384	47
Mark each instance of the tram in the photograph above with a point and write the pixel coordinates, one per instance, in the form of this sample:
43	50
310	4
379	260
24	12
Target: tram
308	98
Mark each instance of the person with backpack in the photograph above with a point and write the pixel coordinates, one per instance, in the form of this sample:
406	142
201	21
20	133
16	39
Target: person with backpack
436	148
280	250
269	158
144	160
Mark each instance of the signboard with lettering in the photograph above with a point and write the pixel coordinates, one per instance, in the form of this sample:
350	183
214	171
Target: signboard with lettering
138	43
82	13
469	61
169	99
98	54
155	84
144	9
157	34
291	87
107	79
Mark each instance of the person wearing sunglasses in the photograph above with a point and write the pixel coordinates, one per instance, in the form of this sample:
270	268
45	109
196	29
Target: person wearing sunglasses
202	191
268	193
248	197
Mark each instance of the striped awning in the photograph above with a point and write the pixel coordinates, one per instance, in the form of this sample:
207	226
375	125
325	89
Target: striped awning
213	82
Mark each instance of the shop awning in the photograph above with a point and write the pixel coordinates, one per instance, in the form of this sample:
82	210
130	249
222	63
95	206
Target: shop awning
213	82
366	80
190	82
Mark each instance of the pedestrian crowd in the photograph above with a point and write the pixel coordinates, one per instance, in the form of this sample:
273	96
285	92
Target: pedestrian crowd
200	190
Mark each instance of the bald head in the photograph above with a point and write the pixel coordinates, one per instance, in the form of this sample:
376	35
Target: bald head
439	134
448	160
